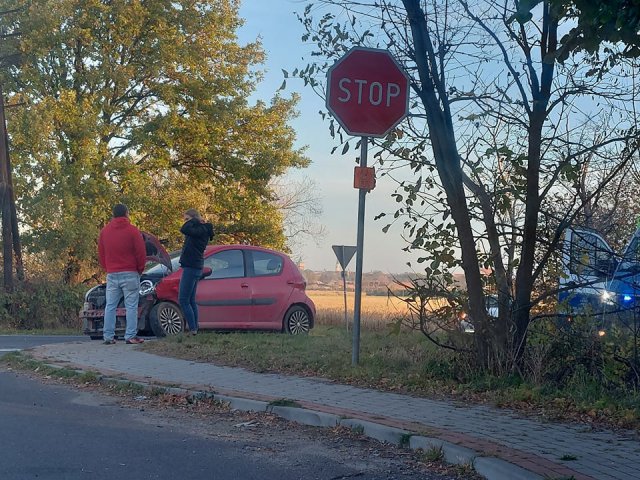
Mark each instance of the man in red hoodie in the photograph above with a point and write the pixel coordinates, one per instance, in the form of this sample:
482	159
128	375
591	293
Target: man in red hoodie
123	256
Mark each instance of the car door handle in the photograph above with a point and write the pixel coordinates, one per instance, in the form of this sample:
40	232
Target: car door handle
244	285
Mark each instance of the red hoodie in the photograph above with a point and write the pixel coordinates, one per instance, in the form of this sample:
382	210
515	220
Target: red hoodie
121	247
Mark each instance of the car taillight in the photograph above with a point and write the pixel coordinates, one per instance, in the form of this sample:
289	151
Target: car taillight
301	284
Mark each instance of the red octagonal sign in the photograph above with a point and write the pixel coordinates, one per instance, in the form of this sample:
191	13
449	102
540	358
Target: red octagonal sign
367	92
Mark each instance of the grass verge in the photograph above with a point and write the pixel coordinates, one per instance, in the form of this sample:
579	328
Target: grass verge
405	363
397	362
123	388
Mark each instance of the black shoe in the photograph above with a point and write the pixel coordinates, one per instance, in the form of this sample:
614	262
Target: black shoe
111	341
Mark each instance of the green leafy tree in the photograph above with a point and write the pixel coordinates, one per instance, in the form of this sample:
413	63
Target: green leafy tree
598	22
143	102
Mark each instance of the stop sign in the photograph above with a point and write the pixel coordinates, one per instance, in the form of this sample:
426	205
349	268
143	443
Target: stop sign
367	92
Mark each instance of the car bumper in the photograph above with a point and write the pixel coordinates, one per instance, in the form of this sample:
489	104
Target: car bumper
93	319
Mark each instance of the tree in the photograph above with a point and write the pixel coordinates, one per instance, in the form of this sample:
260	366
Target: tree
301	208
143	102
613	21
493	139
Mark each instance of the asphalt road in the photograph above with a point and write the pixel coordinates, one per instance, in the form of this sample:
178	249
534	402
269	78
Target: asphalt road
9	343
56	431
51	432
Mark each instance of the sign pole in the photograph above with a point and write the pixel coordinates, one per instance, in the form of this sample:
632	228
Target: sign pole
344	254
344	293
355	355
368	94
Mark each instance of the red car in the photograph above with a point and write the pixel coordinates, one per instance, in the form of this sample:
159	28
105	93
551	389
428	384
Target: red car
242	287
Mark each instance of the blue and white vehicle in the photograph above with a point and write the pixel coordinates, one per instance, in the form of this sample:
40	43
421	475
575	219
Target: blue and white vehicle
598	281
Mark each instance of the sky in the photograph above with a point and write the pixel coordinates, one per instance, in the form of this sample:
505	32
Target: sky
275	23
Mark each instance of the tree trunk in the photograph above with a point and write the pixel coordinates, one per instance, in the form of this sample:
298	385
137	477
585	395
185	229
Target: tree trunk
15	231
434	97
71	271
540	99
7	241
499	331
524	275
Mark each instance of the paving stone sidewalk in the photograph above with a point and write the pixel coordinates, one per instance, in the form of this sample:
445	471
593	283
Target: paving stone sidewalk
551	450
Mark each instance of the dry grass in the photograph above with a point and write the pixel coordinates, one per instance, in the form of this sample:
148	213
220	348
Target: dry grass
376	312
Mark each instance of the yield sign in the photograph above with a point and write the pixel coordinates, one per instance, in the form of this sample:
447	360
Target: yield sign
344	253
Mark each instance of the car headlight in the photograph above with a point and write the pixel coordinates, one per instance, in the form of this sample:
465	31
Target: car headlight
146	287
607	297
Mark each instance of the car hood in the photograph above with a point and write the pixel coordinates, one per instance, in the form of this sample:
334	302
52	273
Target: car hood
155	251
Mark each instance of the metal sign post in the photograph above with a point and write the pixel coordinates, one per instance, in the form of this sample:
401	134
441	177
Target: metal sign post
368	94
344	297
344	254
362	193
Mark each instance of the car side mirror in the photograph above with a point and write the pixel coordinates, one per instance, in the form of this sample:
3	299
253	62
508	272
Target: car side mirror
206	271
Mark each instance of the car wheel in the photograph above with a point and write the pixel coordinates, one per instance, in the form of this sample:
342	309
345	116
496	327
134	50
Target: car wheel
297	321
166	319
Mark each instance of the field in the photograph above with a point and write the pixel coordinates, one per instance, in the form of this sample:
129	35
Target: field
376	311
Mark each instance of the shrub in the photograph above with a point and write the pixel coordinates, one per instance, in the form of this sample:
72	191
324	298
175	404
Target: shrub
41	305
566	348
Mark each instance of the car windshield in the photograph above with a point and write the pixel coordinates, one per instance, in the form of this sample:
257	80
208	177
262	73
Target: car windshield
154	268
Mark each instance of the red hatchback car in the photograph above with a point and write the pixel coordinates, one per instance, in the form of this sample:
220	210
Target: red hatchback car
242	287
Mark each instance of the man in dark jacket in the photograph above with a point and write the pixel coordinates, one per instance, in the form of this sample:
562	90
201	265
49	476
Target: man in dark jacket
123	256
197	234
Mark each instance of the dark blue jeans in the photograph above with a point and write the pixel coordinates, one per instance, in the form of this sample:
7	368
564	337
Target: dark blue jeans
187	296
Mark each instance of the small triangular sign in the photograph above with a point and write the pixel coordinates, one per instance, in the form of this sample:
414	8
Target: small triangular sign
344	253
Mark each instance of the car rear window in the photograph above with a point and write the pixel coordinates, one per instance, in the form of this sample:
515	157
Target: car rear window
154	268
265	263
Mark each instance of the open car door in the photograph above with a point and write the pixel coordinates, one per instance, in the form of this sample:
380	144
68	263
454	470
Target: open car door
588	264
626	281
156	251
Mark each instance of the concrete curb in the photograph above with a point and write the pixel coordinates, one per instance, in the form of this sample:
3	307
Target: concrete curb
244	404
451	452
490	468
497	468
306	417
382	433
